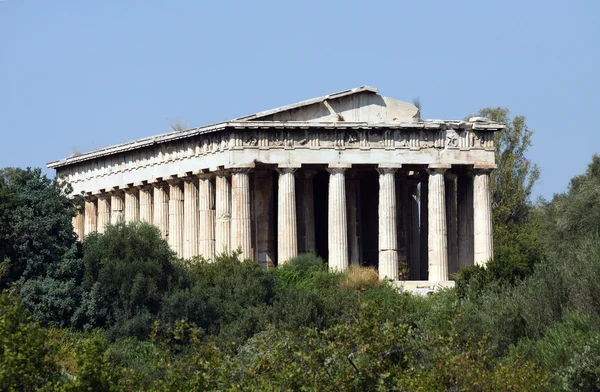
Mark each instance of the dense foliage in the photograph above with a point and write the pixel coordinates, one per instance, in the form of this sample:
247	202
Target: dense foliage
123	313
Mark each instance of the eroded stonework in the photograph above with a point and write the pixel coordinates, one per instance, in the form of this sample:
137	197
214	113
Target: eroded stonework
357	160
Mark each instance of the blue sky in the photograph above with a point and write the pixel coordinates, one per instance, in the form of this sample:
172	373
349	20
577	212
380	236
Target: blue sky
81	75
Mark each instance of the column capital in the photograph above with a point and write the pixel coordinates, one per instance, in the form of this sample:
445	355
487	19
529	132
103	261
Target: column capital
240	170
115	191
205	175
306	174
286	170
336	170
437	168
190	179
386	170
131	189
482	170
173	180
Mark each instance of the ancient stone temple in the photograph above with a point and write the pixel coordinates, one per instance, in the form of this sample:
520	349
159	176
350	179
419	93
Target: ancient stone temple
356	177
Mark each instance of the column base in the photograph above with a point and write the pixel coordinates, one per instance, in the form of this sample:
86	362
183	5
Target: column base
422	287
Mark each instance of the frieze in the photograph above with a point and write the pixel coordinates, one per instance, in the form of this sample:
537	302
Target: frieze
313	138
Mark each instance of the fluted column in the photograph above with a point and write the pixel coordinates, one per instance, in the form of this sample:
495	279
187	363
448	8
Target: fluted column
103	212
424	228
410	205
206	206
338	224
132	205
90	216
190	218
146	208
264	216
388	237
465	219
482	222
116	207
451	221
438	240
223	213
287	234
176	217
160	216
352	202
306	210
241	235
79	225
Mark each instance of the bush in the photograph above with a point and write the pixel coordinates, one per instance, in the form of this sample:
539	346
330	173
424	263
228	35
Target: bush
26	362
128	271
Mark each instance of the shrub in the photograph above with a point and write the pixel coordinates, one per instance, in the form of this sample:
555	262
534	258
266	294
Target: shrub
26	362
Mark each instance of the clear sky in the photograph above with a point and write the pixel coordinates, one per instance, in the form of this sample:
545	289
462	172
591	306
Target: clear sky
81	75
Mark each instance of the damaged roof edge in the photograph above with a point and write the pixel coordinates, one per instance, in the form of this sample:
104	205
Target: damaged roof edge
308	102
240	124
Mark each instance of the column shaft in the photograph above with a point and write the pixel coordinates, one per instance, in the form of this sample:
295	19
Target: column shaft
241	226
411	227
451	221
388	237
352	200
287	235
438	240
190	218
90	216
264	217
465	219
132	205
338	224
223	213
482	222
206	192
79	226
161	209
116	208
306	211
176	218
146	204
424	228
103	212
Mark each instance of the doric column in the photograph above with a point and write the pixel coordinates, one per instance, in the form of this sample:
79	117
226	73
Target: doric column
424	227
337	222
206	206
465	219
410	205
90	216
451	221
264	217
352	207
223	213
146	207
103	212
116	207
438	240
190	218
306	211
132	205
79	225
400	217
241	234
287	234
388	237
482	222
161	208
176	217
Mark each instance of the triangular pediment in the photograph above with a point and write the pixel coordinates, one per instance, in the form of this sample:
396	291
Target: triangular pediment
362	104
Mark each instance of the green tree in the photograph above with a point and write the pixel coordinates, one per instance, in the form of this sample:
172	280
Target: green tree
129	269
515	176
25	361
36	231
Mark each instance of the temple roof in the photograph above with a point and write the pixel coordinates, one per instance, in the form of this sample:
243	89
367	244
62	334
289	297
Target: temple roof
357	108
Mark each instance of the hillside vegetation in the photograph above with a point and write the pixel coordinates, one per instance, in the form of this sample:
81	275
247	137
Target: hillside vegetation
122	312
